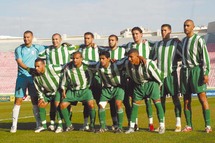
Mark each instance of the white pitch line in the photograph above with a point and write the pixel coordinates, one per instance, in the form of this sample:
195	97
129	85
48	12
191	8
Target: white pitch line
26	117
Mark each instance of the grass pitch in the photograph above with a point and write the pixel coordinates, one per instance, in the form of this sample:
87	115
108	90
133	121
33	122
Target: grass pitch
26	125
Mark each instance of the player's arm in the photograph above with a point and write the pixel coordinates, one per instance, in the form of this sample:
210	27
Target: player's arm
155	73
39	91
64	83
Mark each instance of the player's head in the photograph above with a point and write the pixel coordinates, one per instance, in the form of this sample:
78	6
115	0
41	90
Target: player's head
40	65
188	27
137	34
77	59
28	38
133	56
104	58
166	31
56	40
112	41
88	38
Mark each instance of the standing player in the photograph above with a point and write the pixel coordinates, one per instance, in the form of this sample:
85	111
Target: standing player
58	55
90	52
76	80
25	56
117	53
47	84
167	54
147	78
194	74
145	50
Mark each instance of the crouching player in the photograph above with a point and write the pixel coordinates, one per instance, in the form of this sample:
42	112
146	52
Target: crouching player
147	78
47	84
75	87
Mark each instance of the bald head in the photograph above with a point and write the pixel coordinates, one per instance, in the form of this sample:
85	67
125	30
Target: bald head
188	27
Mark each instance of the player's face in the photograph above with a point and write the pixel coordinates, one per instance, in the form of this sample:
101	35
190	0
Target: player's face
40	67
188	27
137	36
77	60
88	40
56	41
133	58
28	38
112	42
165	32
104	61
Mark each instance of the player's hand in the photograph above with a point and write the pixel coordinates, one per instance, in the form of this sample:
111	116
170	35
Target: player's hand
32	71
206	79
144	41
41	102
66	44
113	60
142	59
63	94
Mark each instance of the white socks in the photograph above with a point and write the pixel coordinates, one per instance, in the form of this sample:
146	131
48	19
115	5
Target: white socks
15	115
178	121
150	120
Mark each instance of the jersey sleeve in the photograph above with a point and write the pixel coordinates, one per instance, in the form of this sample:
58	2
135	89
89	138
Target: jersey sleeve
64	80
42	54
38	88
205	56
155	73
18	53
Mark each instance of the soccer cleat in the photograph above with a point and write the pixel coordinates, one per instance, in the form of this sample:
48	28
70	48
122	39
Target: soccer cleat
51	127
187	129
13	129
85	128
40	129
70	128
208	129
59	130
136	128
161	130
130	130
178	129
92	130
118	130
151	128
114	127
101	130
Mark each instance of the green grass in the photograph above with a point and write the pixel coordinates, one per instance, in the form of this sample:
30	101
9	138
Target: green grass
25	132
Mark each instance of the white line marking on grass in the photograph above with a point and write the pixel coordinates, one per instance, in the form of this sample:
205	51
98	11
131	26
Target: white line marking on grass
26	117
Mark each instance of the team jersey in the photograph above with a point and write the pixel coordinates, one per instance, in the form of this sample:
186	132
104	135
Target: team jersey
110	76
89	53
76	78
145	49
57	56
28	55
143	72
167	53
117	53
195	53
48	82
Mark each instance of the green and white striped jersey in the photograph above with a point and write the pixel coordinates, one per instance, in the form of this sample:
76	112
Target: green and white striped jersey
195	53
76	78
167	54
109	76
145	49
57	56
89	53
117	53
143	72
48	82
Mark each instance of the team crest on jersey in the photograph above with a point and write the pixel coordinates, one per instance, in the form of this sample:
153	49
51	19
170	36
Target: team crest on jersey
32	52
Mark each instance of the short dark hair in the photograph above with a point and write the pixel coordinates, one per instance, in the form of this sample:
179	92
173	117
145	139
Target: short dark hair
133	51
28	31
40	60
77	52
166	25
137	28
56	34
89	33
112	35
104	53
